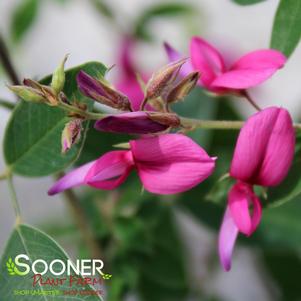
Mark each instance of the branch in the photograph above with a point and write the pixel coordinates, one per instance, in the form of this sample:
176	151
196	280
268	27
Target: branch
7	63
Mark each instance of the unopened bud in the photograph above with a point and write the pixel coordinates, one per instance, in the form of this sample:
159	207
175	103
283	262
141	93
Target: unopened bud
58	77
100	91
52	99
162	79
48	93
71	134
169	119
183	88
27	93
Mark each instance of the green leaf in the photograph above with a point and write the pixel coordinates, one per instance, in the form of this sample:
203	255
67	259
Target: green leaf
247	2
287	26
280	227
285	267
102	7
32	142
23	18
163	274
36	245
161	10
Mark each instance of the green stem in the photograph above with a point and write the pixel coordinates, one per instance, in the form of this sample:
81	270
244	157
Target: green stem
187	123
4	176
85	114
211	124
6	104
14	199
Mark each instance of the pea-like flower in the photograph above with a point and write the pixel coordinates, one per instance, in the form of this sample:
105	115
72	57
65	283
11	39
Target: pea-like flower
221	77
167	164
263	155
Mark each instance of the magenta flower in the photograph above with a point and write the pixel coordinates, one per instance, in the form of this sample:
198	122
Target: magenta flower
263	155
220	77
166	164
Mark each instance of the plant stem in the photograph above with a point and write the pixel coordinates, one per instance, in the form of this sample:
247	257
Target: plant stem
85	114
187	123
211	124
7	63
6	104
4	176
82	223
250	100
14	199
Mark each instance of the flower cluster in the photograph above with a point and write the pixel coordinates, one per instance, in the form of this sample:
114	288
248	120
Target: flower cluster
170	162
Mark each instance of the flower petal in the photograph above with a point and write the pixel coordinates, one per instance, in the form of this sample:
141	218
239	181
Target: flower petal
252	69
130	123
226	240
110	170
174	55
240	198
171	163
264	149
72	179
279	152
206	59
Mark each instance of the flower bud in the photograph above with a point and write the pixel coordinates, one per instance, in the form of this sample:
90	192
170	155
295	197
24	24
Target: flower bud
100	91
27	93
49	95
71	134
183	88
168	119
130	123
162	79
58	77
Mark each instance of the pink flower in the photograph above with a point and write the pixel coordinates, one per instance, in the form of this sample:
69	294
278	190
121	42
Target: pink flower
166	164
263	155
217	76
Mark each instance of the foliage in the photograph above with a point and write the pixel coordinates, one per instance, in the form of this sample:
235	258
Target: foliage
287	26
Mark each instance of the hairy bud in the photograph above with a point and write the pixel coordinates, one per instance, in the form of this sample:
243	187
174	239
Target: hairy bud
183	88
58	77
100	91
71	134
27	93
162	79
170	119
49	95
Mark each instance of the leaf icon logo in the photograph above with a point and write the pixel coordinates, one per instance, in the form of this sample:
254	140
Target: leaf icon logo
12	269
